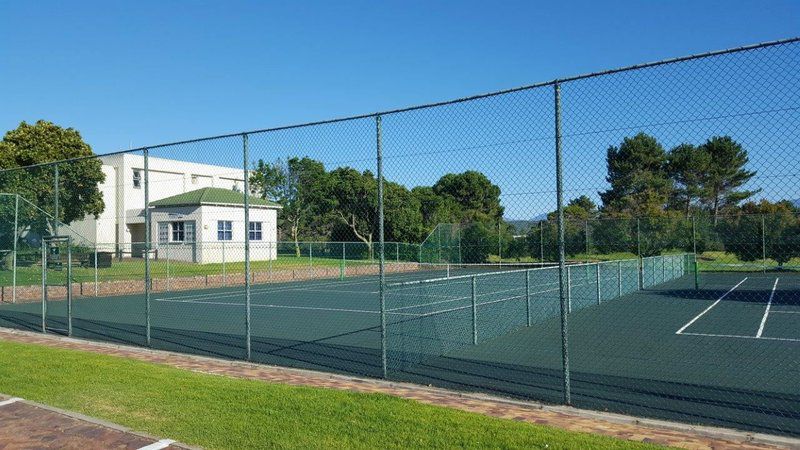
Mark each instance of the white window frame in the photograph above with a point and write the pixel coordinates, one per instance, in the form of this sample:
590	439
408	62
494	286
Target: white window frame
256	231
177	231
224	230
137	179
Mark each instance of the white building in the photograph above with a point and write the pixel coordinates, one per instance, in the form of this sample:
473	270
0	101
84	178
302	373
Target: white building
201	199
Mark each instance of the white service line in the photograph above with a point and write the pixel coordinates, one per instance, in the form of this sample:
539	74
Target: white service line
766	311
164	443
10	401
680	331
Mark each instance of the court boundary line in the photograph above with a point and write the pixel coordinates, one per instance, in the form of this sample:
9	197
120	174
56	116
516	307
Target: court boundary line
766	311
741	336
688	324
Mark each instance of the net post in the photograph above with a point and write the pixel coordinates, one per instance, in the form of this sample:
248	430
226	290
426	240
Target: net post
640	263
499	242
311	258
168	275
619	278
563	296
148	239
586	237
663	269
597	279
474	303
528	296
245	166
381	243
14	261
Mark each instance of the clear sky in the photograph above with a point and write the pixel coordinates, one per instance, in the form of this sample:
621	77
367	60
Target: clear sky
141	73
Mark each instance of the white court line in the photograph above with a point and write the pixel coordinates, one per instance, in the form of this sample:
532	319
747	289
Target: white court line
777	311
709	308
766	311
737	336
260	305
164	443
10	401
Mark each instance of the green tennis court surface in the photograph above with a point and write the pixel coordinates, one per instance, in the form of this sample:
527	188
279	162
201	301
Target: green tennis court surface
725	354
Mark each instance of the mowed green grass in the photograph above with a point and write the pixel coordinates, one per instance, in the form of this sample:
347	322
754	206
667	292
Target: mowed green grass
133	269
219	412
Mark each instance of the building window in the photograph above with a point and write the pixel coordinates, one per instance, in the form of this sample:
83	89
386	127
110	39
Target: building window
255	231
178	232
137	179
224	230
163	232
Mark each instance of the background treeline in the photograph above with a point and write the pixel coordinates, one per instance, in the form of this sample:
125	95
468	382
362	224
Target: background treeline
689	197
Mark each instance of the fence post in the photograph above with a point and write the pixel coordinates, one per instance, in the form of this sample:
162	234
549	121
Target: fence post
619	278
381	244
311	258
56	194
224	272
474	301
14	261
169	247
69	287
343	265
245	152
763	245
569	289
640	263
499	243
694	252
597	278
44	287
147	238
586	237
541	241
561	263
528	296
95	271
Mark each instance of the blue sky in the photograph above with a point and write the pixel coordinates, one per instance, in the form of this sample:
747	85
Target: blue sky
135	74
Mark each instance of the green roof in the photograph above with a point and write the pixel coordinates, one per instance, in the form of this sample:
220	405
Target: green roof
211	196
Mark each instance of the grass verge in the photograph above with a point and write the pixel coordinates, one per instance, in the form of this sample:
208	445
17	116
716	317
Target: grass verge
219	412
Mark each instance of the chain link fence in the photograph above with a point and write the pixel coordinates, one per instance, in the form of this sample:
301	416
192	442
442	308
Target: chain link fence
625	241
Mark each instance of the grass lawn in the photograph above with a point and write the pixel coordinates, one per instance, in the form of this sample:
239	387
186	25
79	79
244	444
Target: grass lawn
133	269
219	412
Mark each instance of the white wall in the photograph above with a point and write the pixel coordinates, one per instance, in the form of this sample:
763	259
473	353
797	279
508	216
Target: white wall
208	248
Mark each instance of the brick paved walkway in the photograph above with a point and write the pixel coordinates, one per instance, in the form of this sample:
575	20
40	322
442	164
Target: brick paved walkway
623	427
28	425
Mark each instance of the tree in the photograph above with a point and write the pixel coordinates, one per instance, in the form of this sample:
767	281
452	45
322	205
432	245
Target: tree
299	186
778	223
476	196
435	209
688	167
43	142
638	177
725	174
354	201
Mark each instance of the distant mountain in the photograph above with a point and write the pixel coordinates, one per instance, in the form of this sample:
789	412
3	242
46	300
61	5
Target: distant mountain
796	203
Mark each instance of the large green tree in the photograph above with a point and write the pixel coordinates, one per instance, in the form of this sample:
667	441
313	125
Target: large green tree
688	167
477	197
637	173
299	185
726	174
78	189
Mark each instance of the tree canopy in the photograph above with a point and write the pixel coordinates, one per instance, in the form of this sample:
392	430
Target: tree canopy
43	142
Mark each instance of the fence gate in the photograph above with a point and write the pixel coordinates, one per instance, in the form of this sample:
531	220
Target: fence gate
57	284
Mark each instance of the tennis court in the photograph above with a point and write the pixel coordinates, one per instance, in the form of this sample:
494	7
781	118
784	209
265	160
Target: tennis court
642	341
